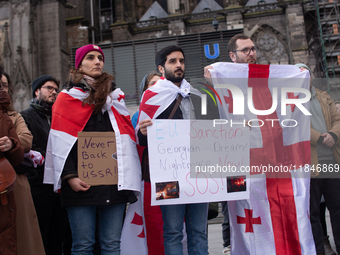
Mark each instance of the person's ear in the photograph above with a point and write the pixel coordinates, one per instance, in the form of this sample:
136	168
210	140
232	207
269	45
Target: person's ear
232	56
37	93
161	69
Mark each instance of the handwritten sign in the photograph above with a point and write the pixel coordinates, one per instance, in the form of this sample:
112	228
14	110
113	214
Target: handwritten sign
97	158
191	161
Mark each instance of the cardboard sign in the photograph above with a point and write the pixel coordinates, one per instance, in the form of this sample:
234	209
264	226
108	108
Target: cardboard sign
193	161
97	158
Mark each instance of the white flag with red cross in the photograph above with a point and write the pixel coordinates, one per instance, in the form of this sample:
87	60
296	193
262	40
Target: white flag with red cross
275	99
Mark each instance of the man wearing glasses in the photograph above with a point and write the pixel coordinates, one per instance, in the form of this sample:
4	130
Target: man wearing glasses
241	50
52	219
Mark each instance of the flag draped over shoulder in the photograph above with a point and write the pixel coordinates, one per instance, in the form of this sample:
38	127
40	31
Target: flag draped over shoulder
275	220
160	96
69	117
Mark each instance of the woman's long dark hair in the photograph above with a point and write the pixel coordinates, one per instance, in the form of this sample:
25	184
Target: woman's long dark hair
102	87
10	87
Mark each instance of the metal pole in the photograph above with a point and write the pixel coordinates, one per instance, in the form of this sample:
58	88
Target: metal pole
92	21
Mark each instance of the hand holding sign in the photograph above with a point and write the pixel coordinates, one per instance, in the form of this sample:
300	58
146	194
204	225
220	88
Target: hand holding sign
78	185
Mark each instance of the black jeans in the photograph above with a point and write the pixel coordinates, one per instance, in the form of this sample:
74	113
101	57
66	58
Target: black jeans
51	217
225	225
330	188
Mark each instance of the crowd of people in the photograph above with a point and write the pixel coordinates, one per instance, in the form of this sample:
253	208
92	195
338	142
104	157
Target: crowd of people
52	210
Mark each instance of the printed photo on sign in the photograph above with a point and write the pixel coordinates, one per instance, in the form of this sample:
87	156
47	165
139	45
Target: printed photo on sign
167	190
236	184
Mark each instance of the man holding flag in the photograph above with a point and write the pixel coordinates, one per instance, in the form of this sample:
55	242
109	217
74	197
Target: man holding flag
275	219
172	97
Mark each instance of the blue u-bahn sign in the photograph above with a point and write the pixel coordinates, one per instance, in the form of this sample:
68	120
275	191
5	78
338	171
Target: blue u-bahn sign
216	51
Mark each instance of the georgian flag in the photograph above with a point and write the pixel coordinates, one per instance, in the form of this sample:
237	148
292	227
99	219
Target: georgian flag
160	96
133	239
69	117
275	219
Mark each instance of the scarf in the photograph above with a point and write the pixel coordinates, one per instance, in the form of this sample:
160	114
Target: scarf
89	81
42	106
5	100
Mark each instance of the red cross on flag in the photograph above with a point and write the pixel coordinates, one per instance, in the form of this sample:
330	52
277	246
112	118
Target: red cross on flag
275	219
229	101
248	220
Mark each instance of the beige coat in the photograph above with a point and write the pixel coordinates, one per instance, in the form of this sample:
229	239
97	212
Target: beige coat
29	241
332	119
20	126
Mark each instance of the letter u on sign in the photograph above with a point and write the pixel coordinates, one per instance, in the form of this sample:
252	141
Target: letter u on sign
216	51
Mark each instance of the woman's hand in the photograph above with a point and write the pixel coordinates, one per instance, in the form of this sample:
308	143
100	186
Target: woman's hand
77	184
143	126
5	144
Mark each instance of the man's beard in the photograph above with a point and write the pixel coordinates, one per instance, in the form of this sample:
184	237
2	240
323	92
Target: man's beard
173	77
252	60
45	98
245	61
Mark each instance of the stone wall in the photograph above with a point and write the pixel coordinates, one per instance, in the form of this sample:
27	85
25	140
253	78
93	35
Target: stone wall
51	39
63	49
77	34
281	28
297	34
19	31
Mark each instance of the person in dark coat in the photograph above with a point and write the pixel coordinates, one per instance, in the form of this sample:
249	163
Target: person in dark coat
52	218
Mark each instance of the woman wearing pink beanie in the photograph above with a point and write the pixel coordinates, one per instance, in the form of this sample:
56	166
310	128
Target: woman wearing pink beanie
92	103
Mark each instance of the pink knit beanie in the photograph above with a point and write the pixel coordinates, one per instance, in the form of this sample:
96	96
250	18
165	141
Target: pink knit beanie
81	52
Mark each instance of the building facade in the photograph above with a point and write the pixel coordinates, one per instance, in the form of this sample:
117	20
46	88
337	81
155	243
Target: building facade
40	36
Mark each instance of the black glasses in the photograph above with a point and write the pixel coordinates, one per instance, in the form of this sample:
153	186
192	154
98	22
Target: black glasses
51	89
248	50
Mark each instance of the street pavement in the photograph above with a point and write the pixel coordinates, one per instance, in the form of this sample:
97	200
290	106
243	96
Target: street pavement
215	241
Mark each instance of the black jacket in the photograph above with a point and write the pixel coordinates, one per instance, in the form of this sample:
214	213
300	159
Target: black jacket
39	125
95	195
